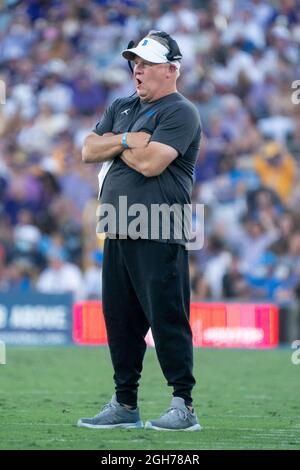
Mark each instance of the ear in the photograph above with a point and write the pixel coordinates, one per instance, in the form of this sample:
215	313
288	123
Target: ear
171	71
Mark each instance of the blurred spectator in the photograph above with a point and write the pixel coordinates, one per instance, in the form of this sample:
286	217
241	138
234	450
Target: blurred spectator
20	275
199	288
234	282
251	240
246	28
55	94
276	168
61	66
60	276
272	280
93	277
215	268
27	238
88	97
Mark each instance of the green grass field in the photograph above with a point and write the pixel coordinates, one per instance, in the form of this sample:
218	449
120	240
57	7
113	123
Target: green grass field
244	399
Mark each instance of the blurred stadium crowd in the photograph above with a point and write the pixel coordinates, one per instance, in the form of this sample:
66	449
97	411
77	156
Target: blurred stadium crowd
61	65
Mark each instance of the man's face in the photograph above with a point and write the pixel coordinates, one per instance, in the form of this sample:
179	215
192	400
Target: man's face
151	79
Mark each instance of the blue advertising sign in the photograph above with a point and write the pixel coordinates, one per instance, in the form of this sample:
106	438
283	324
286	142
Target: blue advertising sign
35	319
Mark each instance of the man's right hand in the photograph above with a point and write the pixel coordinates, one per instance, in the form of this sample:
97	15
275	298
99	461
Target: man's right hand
137	140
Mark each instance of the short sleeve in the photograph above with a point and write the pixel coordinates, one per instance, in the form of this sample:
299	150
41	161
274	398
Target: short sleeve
178	128
107	121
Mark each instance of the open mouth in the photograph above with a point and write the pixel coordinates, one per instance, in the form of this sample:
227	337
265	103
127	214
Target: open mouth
138	82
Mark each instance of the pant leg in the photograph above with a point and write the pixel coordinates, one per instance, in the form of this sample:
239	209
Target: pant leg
125	321
160	277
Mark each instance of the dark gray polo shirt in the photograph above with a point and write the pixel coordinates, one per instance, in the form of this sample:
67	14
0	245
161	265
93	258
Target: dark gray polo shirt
171	120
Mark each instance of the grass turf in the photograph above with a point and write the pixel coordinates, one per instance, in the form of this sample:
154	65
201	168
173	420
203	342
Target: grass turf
244	399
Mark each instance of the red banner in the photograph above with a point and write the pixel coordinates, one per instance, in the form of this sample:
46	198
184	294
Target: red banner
213	325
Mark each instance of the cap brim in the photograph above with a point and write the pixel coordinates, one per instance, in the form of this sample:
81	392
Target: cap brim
130	54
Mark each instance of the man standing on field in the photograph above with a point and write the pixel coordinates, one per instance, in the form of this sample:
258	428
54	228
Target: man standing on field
149	143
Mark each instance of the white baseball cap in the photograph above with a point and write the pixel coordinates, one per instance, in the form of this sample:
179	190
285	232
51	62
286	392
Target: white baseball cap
151	50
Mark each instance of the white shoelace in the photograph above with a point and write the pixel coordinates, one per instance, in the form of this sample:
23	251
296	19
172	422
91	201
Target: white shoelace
105	408
181	413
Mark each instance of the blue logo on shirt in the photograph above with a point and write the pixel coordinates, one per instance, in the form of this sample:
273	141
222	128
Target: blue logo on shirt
150	112
145	42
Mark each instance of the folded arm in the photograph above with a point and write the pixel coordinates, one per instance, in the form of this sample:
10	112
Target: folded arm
100	148
151	160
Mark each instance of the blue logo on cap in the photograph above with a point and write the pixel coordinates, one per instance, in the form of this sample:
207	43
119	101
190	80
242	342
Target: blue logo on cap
145	42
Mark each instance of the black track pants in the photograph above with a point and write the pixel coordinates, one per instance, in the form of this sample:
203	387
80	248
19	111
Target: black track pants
146	284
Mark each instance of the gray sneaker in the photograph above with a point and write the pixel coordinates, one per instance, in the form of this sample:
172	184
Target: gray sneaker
113	415
177	418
